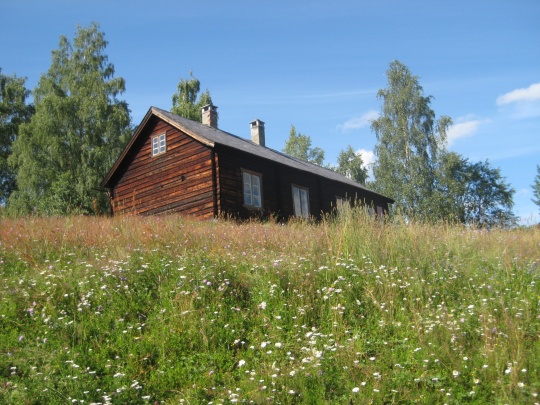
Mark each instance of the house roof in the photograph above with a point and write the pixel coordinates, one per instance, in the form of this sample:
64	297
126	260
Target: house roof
212	136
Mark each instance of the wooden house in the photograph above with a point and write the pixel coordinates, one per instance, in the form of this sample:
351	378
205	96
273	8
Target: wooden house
173	164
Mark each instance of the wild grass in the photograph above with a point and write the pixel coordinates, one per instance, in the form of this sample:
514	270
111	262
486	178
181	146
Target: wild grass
350	310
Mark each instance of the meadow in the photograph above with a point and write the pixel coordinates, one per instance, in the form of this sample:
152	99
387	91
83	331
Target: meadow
352	310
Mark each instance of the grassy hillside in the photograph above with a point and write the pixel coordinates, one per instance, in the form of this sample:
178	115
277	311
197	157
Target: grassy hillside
165	310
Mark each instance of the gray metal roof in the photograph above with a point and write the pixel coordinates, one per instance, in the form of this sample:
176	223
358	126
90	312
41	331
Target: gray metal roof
212	136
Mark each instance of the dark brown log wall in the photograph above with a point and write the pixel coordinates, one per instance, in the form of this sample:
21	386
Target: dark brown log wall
277	181
179	180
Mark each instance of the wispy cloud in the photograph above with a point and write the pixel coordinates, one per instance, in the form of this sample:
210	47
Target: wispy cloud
463	128
359	122
531	93
525	102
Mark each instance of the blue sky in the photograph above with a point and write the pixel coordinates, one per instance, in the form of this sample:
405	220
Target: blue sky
316	65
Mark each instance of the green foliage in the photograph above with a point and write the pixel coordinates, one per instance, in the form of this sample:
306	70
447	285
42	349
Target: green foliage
536	187
415	169
472	193
356	310
13	112
351	165
76	133
409	143
187	102
299	146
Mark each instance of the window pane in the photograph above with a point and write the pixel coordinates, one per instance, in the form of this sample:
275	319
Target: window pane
257	201
296	200
247	198
247	188
255	181
305	203
155	146
162	143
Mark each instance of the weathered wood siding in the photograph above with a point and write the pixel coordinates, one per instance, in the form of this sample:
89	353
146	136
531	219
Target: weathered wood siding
277	182
179	180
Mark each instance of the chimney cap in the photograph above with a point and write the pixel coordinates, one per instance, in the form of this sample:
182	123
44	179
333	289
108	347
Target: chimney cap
256	122
209	115
257	132
209	107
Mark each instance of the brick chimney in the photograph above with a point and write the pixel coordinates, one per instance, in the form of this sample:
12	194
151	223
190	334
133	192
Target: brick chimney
257	132
209	115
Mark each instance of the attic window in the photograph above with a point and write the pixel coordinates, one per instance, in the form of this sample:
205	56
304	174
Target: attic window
159	144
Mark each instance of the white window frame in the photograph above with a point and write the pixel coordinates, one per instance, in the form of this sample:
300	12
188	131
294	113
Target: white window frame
300	197
159	144
251	182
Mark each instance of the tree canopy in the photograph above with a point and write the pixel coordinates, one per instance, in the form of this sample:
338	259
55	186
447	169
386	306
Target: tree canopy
351	165
409	142
472	193
299	146
78	130
187	102
536	187
13	112
415	168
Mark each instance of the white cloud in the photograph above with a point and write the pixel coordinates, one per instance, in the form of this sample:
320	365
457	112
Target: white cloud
463	128
359	122
369	158
531	93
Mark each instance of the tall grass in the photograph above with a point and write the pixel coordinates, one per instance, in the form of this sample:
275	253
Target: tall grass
350	310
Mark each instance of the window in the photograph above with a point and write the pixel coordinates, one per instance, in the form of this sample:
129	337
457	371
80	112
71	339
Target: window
159	144
252	190
301	201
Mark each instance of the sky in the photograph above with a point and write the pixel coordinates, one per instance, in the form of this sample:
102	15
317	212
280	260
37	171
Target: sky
316	65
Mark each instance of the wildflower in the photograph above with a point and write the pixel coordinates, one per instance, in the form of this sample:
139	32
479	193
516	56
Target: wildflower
521	385
241	363
455	373
262	305
355	389
21	338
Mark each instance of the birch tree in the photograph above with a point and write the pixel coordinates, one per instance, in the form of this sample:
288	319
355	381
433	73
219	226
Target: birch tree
77	132
14	111
410	141
187	102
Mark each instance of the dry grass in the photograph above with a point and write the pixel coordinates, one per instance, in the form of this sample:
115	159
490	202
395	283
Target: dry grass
350	310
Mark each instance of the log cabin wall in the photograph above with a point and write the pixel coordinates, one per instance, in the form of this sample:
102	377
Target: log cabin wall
178	180
277	182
